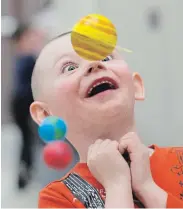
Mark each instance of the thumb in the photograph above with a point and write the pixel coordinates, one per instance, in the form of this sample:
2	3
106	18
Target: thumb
129	142
122	147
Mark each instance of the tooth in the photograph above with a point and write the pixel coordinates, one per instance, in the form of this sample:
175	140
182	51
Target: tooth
90	91
97	84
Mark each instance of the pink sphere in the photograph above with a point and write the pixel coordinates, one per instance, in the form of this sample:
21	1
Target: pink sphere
57	155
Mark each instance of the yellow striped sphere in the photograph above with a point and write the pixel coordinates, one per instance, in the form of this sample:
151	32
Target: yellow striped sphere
94	37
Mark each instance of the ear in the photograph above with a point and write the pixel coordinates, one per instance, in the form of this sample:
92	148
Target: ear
139	87
39	111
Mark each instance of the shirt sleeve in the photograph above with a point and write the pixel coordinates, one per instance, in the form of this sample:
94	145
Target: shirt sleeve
50	198
175	195
174	202
168	174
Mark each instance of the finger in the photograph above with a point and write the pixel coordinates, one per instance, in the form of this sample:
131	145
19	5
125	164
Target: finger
130	135
113	145
131	142
90	150
128	145
122	147
97	145
94	147
105	143
98	141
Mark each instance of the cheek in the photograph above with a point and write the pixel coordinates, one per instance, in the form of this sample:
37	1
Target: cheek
121	69
65	87
63	94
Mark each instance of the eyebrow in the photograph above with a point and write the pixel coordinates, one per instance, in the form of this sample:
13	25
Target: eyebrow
63	56
60	58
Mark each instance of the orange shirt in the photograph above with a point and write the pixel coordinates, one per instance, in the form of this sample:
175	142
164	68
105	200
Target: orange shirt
79	189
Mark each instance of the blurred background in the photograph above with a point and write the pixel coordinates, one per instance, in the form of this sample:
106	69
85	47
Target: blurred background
152	29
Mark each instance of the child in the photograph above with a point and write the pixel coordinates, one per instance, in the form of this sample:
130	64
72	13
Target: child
97	99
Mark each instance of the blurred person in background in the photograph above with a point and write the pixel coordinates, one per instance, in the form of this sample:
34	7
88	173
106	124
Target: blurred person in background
28	42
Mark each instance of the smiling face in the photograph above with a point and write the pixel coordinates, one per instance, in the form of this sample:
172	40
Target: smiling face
87	95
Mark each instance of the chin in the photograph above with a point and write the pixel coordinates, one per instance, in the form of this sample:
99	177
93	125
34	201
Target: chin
110	108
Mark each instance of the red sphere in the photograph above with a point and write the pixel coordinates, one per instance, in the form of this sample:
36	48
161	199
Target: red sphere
57	155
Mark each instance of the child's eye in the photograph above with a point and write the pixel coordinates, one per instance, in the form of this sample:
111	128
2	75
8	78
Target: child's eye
108	58
69	67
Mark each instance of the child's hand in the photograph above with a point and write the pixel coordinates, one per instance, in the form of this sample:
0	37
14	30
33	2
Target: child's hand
140	163
107	165
143	184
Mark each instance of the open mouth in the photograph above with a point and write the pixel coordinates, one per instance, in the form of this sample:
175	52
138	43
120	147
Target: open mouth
101	85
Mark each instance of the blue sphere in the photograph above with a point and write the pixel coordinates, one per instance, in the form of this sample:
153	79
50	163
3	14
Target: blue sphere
52	128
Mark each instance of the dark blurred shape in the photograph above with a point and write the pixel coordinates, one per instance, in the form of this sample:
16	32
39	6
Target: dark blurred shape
28	43
154	18
16	36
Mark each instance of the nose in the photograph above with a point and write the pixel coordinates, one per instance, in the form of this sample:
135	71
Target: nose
95	67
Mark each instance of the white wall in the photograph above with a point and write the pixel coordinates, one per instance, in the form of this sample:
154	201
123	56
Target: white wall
157	56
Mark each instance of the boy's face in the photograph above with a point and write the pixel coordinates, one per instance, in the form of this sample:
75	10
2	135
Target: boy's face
84	92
